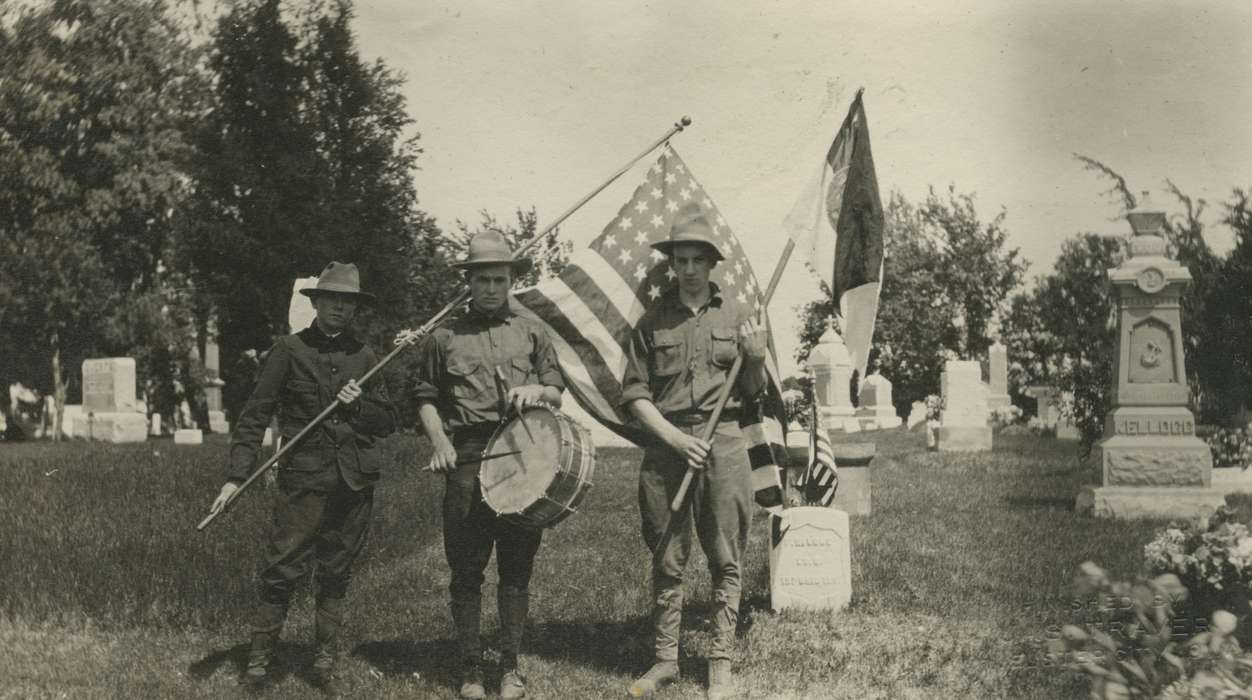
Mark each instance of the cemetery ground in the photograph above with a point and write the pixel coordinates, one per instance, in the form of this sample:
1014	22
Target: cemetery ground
107	590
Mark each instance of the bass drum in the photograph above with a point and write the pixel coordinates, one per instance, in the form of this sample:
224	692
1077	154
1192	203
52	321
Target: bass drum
545	481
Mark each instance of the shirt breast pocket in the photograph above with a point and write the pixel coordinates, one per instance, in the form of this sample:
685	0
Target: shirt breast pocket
465	377
725	346
667	353
520	371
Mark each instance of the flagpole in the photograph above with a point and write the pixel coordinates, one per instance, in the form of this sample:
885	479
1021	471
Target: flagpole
680	497
408	338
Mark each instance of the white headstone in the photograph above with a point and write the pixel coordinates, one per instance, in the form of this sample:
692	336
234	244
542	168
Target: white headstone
188	436
877	409
917	414
811	559
109	385
998	386
69	416
156	425
300	312
963	420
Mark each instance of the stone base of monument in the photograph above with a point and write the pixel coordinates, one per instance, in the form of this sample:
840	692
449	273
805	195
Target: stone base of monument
111	427
1157	502
852	461
1157	460
963	438
217	423
810	560
188	436
881	421
1232	480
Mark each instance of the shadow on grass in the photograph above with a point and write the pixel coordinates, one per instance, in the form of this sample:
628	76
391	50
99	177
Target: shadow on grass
289	658
434	659
1056	502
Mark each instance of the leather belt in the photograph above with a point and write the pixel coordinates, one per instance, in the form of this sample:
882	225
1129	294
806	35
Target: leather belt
690	418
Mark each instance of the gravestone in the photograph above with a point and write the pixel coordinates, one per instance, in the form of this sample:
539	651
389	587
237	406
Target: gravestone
213	385
1150	462
1048	410
832	377
917	414
854	494
810	559
998	386
188	436
876	410
963	422
155	429
109	409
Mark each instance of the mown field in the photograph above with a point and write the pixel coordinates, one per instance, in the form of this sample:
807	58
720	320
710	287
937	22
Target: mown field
107	590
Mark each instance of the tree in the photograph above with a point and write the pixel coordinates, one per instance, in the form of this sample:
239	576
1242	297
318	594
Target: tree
305	160
946	275
94	104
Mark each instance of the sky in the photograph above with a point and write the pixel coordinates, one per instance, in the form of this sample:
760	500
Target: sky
536	103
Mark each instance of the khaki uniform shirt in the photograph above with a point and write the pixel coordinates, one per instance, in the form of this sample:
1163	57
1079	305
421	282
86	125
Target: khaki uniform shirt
457	369
679	359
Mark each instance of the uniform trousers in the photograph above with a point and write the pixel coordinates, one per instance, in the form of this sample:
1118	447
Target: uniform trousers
719	504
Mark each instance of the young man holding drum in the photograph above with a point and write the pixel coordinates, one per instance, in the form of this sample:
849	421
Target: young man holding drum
678	362
472	373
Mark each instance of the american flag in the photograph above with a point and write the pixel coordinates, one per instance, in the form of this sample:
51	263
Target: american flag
820	477
592	307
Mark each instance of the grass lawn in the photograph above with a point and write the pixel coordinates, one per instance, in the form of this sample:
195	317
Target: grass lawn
107	590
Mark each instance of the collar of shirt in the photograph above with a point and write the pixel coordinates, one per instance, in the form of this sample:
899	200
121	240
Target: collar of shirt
321	337
671	299
500	315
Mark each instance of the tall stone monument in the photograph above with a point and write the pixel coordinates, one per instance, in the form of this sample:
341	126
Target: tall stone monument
1150	464
963	422
998	386
109	410
832	377
877	410
213	384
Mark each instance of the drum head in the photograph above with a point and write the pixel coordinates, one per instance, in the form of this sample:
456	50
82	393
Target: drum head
511	484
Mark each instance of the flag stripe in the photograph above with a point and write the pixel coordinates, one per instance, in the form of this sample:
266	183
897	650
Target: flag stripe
589	265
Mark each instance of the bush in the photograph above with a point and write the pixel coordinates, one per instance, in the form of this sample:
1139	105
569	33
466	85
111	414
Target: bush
1230	447
1004	416
1212	558
1136	649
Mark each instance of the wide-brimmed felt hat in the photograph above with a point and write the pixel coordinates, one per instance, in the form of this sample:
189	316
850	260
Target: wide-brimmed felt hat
341	278
490	248
690	226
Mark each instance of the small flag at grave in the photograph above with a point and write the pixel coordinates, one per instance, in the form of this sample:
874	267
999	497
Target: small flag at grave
820	477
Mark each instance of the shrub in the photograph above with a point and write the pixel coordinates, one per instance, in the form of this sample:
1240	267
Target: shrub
1137	650
1004	416
1212	558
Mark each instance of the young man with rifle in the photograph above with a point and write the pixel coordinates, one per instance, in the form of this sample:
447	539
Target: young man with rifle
326	483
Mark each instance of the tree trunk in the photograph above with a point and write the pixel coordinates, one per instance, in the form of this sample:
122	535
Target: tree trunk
58	389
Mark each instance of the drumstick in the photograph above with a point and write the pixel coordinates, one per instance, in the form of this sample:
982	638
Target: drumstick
471	460
505	383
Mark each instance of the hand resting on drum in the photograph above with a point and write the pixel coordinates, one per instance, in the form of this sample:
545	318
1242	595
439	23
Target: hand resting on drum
520	397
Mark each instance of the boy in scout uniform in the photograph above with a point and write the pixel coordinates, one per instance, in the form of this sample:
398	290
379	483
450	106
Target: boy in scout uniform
677	364
473	373
326	483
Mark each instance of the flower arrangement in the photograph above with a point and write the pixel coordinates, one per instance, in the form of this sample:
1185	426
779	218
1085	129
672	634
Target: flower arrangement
1138	646
1212	558
934	405
1002	416
1231	447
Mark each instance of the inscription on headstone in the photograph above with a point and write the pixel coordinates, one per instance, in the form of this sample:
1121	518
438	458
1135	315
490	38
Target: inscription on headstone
811	559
